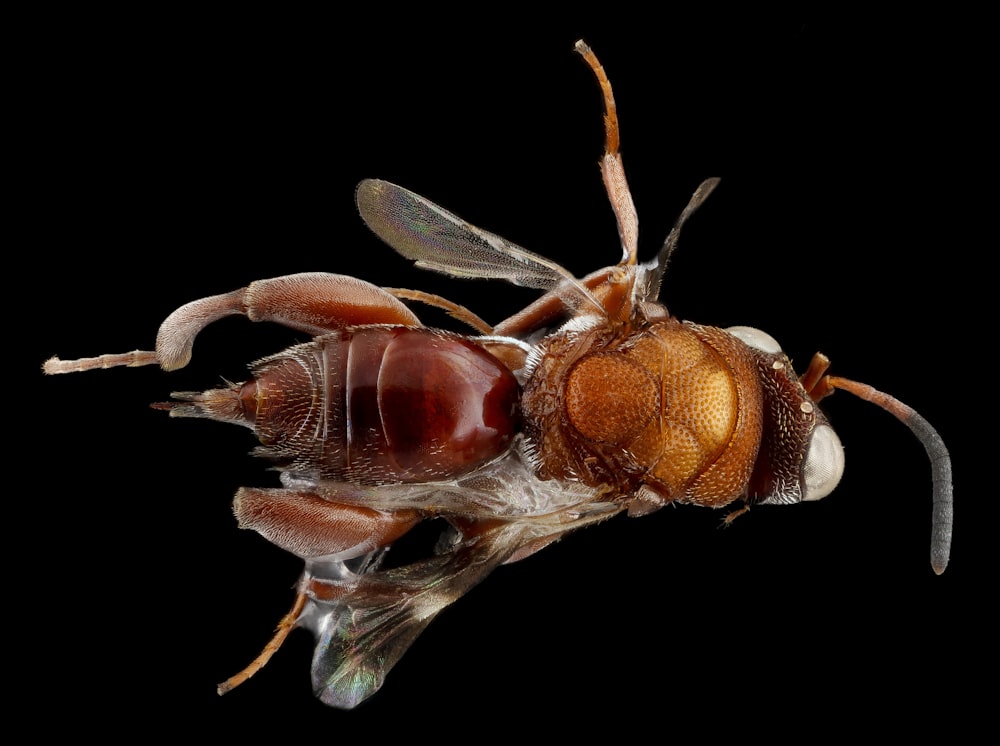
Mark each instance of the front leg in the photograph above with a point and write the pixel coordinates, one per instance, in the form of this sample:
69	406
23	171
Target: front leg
312	302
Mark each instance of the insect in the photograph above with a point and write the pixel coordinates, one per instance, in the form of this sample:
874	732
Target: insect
590	402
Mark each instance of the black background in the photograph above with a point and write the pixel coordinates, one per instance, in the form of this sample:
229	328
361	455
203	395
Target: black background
173	156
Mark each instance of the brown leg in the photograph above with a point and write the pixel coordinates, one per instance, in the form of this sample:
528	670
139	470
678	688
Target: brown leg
310	526
286	625
313	302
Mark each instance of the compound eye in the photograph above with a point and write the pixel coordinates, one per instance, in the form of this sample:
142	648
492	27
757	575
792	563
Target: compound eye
824	464
755	338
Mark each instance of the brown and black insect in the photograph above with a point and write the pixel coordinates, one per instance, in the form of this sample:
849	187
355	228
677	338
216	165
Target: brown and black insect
590	402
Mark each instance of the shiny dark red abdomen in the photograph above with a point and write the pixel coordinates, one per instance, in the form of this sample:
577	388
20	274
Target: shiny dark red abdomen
386	404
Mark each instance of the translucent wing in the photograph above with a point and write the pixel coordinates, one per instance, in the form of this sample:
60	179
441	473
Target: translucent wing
362	634
371	618
437	239
506	488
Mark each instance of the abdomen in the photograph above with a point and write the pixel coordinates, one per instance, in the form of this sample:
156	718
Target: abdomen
375	405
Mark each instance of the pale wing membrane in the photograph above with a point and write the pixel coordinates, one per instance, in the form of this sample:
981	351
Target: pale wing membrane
367	626
361	636
437	239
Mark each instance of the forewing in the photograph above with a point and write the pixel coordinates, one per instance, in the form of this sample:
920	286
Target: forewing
437	239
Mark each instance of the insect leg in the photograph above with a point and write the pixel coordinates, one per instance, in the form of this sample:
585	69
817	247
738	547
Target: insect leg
285	625
548	309
310	526
460	313
313	302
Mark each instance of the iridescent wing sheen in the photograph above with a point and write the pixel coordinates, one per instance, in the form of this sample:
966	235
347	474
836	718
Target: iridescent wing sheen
361	634
368	618
437	239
